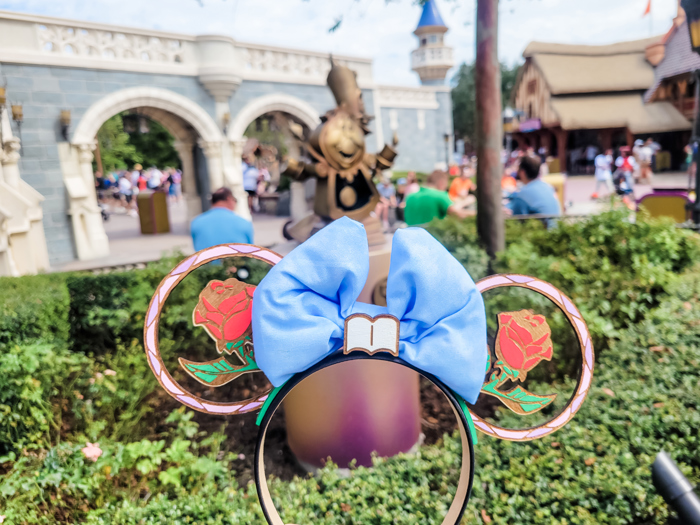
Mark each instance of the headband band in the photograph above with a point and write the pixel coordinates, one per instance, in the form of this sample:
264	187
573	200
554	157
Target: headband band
466	476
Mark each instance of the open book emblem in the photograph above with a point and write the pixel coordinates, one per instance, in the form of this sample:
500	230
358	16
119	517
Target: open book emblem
371	334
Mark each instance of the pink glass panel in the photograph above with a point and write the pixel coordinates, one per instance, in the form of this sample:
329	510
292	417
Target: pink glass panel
352	409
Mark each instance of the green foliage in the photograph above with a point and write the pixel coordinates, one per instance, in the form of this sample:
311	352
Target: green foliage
116	150
60	389
32	377
33	307
614	269
464	98
154	147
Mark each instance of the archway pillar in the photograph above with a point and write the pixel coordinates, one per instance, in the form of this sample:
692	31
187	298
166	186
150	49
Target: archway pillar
234	176
189	183
88	230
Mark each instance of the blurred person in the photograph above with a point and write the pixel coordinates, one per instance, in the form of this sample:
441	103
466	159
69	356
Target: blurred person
387	199
461	186
432	201
143	181
591	154
646	157
400	190
221	224
536	197
412	185
603	173
509	182
177	178
250	181
623	178
154	178
125	189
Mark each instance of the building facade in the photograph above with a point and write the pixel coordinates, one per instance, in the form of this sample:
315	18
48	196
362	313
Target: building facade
205	90
581	98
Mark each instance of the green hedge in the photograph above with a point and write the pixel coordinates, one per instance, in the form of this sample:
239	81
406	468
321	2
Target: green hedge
633	282
596	470
34	307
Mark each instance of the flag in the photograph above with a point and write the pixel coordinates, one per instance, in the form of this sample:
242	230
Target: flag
647	10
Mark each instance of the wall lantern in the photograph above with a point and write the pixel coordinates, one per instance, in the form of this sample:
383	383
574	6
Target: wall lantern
65	123
17	114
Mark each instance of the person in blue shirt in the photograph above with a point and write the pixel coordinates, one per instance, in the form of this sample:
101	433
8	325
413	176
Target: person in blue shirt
220	225
536	197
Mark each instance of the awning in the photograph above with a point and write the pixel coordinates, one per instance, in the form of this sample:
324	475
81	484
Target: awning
618	111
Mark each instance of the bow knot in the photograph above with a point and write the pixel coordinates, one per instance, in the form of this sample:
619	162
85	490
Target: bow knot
301	306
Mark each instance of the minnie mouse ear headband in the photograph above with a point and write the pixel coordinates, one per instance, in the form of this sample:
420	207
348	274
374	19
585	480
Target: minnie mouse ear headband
304	317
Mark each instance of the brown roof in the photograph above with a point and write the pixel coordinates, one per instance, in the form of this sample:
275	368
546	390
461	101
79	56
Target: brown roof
633	46
571	69
679	58
618	111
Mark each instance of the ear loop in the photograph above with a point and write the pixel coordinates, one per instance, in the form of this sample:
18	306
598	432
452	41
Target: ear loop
588	357
155	308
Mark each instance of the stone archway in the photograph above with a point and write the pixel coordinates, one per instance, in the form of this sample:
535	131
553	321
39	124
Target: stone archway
274	102
267	104
176	111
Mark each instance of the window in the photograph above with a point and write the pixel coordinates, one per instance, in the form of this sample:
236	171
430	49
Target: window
393	119
531	87
421	119
423	41
433	39
530	112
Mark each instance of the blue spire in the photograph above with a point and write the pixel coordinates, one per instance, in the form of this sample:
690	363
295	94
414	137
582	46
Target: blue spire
431	15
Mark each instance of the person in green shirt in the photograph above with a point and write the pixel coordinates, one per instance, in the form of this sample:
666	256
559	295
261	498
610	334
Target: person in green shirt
432	201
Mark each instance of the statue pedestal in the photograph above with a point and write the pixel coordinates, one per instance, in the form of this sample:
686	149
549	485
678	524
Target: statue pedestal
353	409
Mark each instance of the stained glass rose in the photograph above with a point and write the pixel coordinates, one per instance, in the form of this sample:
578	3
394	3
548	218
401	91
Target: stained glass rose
523	340
224	310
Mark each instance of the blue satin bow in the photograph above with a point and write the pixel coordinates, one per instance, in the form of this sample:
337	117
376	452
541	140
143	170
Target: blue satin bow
299	308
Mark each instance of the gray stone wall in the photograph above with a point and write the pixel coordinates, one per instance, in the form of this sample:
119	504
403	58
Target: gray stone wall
43	93
417	149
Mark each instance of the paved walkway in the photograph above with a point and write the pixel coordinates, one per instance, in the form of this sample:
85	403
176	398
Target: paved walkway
128	247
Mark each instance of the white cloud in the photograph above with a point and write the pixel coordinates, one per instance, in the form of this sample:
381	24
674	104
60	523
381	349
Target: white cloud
374	28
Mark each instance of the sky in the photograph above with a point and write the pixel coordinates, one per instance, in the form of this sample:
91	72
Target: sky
378	29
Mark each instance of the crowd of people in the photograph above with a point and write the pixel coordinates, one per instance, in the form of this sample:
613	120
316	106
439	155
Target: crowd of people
121	187
453	192
618	174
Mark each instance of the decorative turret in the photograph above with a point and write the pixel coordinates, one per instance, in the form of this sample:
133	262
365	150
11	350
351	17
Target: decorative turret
433	58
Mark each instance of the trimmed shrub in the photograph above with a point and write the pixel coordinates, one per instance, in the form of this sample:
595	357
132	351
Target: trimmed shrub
33	307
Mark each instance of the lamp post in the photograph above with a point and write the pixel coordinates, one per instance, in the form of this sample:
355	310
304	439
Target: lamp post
447	150
692	11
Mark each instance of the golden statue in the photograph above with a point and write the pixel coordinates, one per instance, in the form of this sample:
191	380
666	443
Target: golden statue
342	167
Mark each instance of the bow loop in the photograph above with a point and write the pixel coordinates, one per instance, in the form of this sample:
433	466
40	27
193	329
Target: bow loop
299	308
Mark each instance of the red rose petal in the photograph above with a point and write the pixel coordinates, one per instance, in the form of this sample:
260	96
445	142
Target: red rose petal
216	284
533	350
531	363
541	340
503	318
523	332
208	305
198	319
215	317
547	354
214	330
236	325
251	290
228	304
511	352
